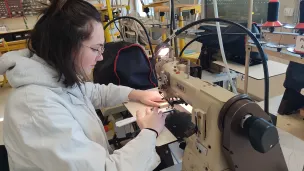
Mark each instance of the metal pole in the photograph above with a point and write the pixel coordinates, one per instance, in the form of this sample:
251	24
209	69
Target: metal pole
173	27
181	24
109	10
250	9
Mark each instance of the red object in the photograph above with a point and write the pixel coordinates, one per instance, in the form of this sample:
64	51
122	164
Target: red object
273	12
11	8
177	72
272	24
106	127
298	52
8	9
300	26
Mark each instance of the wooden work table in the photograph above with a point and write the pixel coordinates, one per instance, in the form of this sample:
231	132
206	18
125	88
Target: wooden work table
14	31
257	71
161	6
13	44
277	73
180	7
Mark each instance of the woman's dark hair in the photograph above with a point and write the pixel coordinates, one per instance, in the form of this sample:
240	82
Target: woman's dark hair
58	35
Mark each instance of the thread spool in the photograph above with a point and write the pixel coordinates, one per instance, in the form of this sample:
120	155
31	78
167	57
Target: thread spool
182	67
300	26
273	15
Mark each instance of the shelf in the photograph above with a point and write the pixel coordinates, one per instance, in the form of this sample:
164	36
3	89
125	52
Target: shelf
15	31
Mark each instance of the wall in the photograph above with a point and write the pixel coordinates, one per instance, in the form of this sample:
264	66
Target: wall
18	23
288	4
283	4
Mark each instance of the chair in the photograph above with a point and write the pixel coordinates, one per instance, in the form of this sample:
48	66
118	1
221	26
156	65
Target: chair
4	166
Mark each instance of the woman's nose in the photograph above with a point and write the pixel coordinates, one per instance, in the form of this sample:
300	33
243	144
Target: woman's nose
100	58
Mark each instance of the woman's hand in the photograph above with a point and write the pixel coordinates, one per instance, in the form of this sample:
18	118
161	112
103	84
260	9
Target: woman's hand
147	97
151	119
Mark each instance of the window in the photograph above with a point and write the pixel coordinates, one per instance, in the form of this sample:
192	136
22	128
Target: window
237	10
139	7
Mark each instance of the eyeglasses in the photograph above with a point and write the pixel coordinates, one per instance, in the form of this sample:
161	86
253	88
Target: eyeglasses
98	51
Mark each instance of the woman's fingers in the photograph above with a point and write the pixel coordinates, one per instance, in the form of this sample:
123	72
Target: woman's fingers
159	99
152	103
149	111
140	114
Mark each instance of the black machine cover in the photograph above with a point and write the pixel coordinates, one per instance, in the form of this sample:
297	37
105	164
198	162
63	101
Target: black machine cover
125	64
234	44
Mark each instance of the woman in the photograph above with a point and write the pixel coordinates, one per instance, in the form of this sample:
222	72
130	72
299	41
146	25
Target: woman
50	121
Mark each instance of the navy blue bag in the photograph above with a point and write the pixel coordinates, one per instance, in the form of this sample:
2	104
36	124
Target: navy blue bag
125	64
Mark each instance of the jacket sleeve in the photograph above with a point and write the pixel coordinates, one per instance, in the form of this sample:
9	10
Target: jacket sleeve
106	95
52	139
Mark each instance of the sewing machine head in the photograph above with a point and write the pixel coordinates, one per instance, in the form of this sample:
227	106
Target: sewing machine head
232	131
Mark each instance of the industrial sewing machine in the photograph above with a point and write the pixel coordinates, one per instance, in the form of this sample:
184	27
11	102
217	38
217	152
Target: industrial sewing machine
232	132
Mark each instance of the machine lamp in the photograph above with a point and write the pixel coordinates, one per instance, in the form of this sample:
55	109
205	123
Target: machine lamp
162	50
273	15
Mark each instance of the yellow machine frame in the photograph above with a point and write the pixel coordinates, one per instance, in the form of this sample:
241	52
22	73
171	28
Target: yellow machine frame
161	7
7	48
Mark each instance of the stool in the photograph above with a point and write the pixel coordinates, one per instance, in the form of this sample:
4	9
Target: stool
292	101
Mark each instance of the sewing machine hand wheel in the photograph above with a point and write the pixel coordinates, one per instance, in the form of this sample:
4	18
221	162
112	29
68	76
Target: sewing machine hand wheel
262	135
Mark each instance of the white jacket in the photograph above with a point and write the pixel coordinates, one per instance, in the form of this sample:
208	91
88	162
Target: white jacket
53	128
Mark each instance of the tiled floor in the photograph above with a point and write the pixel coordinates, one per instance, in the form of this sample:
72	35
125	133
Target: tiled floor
4	93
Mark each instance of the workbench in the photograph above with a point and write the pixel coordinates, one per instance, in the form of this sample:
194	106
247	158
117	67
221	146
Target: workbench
14	40
257	71
162	6
256	89
180	8
13	45
14	31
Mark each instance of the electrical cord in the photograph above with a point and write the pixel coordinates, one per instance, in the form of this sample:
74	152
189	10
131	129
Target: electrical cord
250	34
220	39
119	31
140	23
